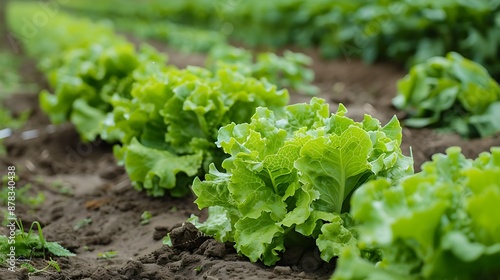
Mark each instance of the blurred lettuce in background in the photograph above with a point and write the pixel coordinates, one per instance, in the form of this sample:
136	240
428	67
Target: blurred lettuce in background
451	92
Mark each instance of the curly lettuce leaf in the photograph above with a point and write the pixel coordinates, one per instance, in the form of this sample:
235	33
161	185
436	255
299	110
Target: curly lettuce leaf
268	233
218	223
334	238
157	170
291	173
350	266
450	92
335	165
437	224
87	119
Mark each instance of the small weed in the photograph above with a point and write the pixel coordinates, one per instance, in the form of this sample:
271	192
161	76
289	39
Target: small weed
29	267
57	184
198	269
21	195
33	270
61	187
146	217
6	216
107	255
5	179
82	223
28	244
166	240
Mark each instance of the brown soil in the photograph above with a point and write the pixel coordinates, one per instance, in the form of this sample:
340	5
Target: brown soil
82	180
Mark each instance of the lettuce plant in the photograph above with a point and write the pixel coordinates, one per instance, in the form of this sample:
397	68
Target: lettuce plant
168	127
451	92
289	177
290	70
441	223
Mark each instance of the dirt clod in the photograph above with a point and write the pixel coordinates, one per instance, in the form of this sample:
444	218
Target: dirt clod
160	232
187	237
310	261
282	270
132	269
212	248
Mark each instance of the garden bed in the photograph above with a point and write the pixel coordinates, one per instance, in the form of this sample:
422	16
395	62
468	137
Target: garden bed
82	181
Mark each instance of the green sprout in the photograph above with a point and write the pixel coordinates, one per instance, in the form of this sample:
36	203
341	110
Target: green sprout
61	187
146	217
107	255
82	223
22	197
28	244
33	270
166	240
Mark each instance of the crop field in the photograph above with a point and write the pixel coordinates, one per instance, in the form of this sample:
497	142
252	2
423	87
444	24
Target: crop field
233	139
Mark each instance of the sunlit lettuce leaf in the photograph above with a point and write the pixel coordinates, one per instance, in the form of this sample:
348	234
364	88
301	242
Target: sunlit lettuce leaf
290	174
335	166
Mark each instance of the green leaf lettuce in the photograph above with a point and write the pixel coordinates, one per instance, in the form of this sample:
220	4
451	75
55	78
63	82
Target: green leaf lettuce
291	173
437	224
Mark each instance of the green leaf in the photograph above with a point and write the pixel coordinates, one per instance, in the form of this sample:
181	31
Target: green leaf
486	124
259	238
450	92
58	250
351	266
482	204
87	119
254	195
213	190
217	225
334	165
437	224
157	171
334	238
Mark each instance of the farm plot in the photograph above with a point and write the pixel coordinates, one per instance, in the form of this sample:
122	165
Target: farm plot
82	188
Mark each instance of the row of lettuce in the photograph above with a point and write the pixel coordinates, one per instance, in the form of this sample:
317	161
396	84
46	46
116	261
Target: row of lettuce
272	176
160	114
400	30
468	97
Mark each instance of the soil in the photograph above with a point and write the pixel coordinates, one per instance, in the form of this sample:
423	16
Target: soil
83	181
